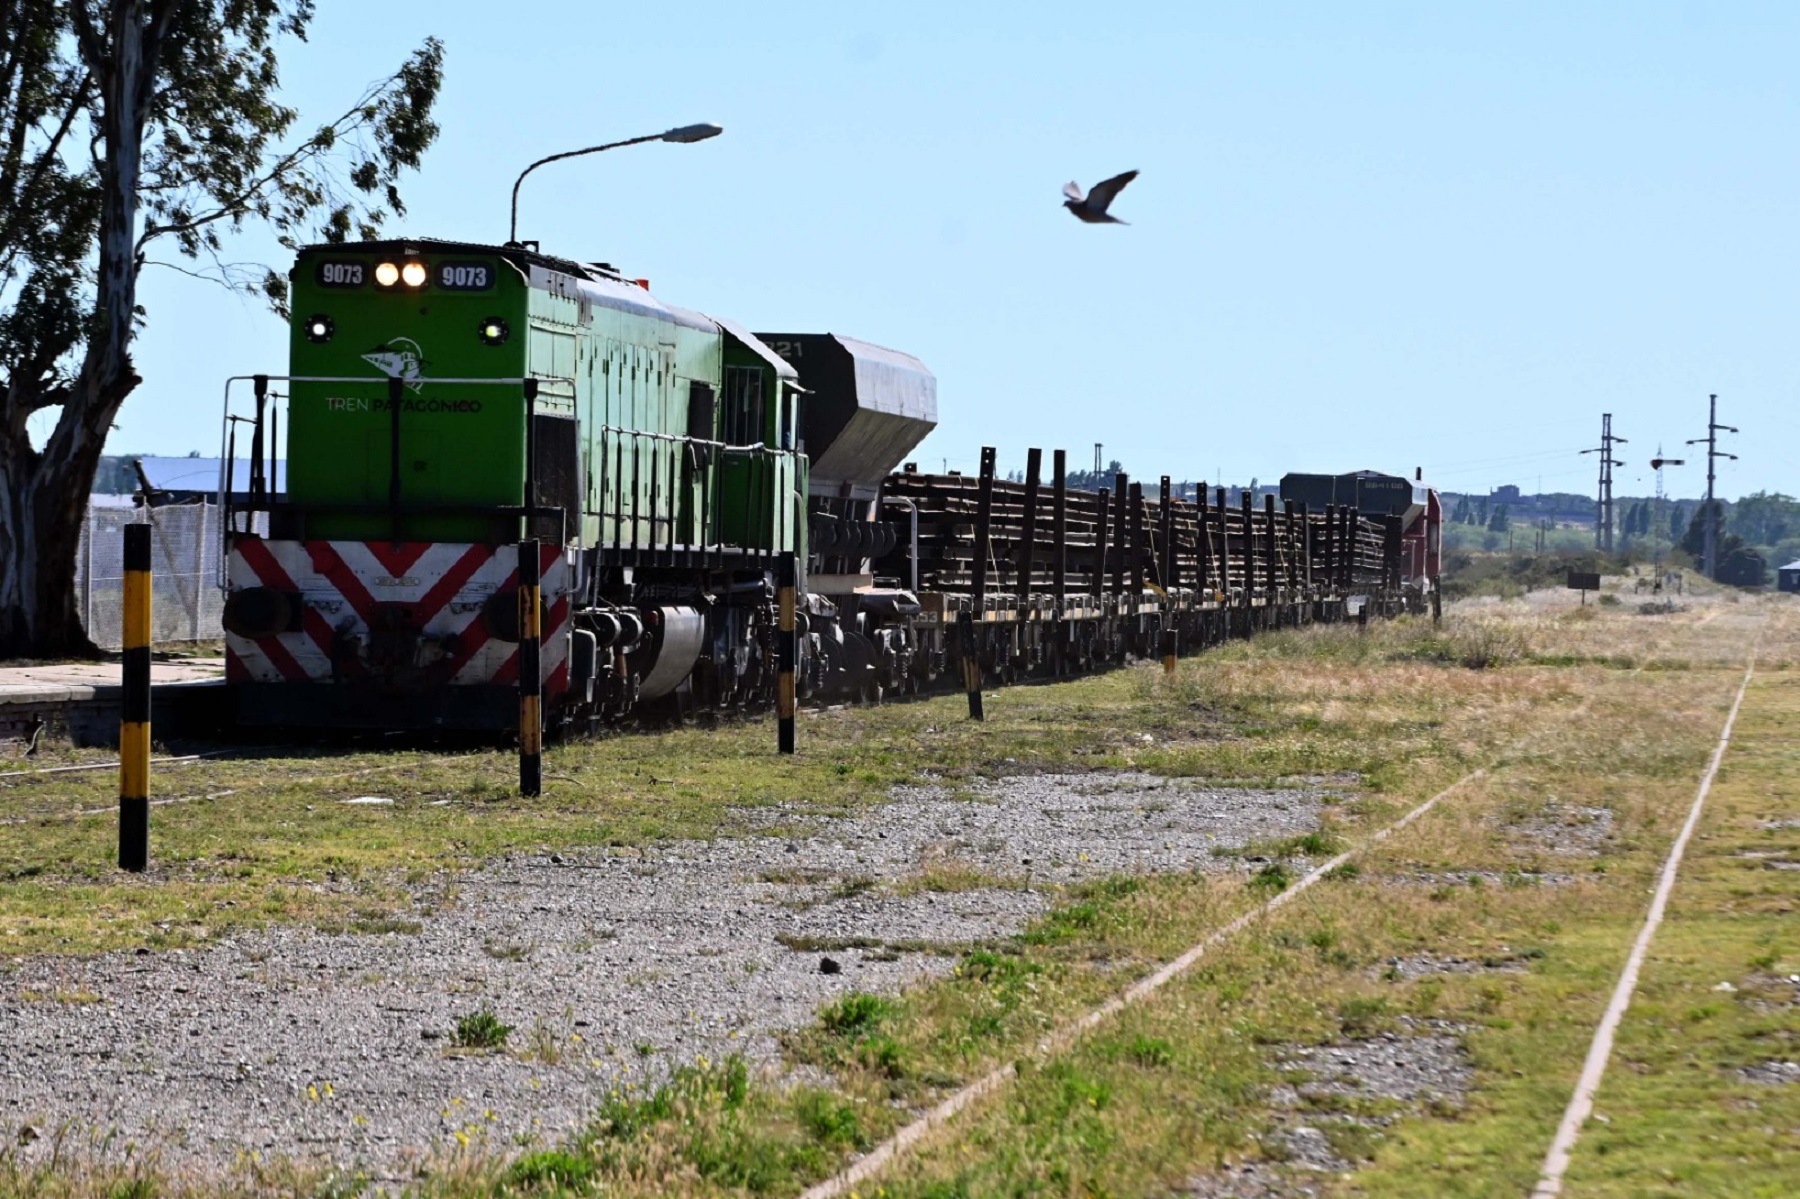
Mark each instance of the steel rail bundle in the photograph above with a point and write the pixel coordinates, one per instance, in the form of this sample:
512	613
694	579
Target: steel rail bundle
1060	580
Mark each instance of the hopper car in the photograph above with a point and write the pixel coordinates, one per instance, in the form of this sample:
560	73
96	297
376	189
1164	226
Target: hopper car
445	401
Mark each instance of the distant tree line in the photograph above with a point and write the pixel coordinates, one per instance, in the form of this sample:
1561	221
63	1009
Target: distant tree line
1470	510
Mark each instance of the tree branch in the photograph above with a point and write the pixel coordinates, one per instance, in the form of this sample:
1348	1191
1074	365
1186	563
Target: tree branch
237	204
19	209
93	49
156	30
234	276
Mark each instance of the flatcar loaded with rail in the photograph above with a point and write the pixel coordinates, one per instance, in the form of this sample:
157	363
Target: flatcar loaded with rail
445	400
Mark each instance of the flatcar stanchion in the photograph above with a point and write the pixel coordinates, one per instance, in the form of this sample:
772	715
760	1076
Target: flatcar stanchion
971	662
784	682
531	682
134	706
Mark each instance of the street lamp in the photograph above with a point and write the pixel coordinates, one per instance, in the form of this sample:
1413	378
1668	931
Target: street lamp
683	135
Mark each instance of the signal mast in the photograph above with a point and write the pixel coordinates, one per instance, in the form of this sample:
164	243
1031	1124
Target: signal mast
1656	531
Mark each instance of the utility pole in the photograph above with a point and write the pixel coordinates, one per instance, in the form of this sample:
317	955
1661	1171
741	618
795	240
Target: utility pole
1603	526
1097	449
1709	557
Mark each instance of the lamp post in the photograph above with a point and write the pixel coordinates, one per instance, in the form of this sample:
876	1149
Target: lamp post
683	134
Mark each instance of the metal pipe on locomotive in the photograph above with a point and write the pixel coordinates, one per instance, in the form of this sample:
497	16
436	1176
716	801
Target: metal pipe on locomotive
667	462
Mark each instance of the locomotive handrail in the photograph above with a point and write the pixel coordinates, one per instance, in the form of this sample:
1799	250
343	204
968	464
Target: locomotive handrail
664	473
747	448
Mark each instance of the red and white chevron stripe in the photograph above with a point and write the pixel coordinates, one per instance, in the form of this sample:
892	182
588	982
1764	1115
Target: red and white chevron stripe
442	584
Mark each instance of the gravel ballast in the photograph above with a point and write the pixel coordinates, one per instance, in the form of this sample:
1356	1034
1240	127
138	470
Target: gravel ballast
610	966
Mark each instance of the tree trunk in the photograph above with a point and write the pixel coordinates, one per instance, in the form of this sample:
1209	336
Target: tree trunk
43	504
43	495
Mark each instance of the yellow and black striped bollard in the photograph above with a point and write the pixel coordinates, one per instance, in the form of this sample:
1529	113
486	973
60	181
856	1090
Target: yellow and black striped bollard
134	706
784	681
531	681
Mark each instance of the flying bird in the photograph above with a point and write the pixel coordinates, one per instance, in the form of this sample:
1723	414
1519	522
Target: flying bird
1091	208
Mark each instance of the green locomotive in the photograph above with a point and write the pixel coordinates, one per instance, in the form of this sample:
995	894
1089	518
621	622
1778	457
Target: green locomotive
444	400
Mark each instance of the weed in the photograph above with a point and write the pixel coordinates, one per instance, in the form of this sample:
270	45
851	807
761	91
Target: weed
1064	924
998	969
1272	879
803	943
881	1055
1319	843
549	1168
1360	1015
139	1187
480	1029
856	1014
829	1120
546	1046
850	888
1150	1052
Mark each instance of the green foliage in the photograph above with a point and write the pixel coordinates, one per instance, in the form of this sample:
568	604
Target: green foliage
140	1187
856	1014
1766	518
102	169
217	152
1272	879
480	1029
1512	575
1092	480
1361	1015
1742	566
829	1120
997	969
1739	563
716	1124
549	1168
1152	1053
1320	843
1064	924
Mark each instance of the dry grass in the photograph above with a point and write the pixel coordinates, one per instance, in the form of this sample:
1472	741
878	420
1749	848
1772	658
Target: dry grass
1564	708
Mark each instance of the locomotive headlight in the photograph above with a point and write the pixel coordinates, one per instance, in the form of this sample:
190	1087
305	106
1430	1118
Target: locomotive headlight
387	274
495	331
320	328
413	274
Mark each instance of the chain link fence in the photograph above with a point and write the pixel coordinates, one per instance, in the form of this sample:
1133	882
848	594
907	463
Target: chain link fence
185	547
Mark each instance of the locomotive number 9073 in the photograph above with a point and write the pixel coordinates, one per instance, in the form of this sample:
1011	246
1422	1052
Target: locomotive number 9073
465	276
341	274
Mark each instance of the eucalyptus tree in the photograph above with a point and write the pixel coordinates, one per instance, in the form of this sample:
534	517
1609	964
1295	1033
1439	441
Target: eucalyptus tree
133	133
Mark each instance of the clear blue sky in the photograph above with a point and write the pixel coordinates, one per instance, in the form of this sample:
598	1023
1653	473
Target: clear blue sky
1375	235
